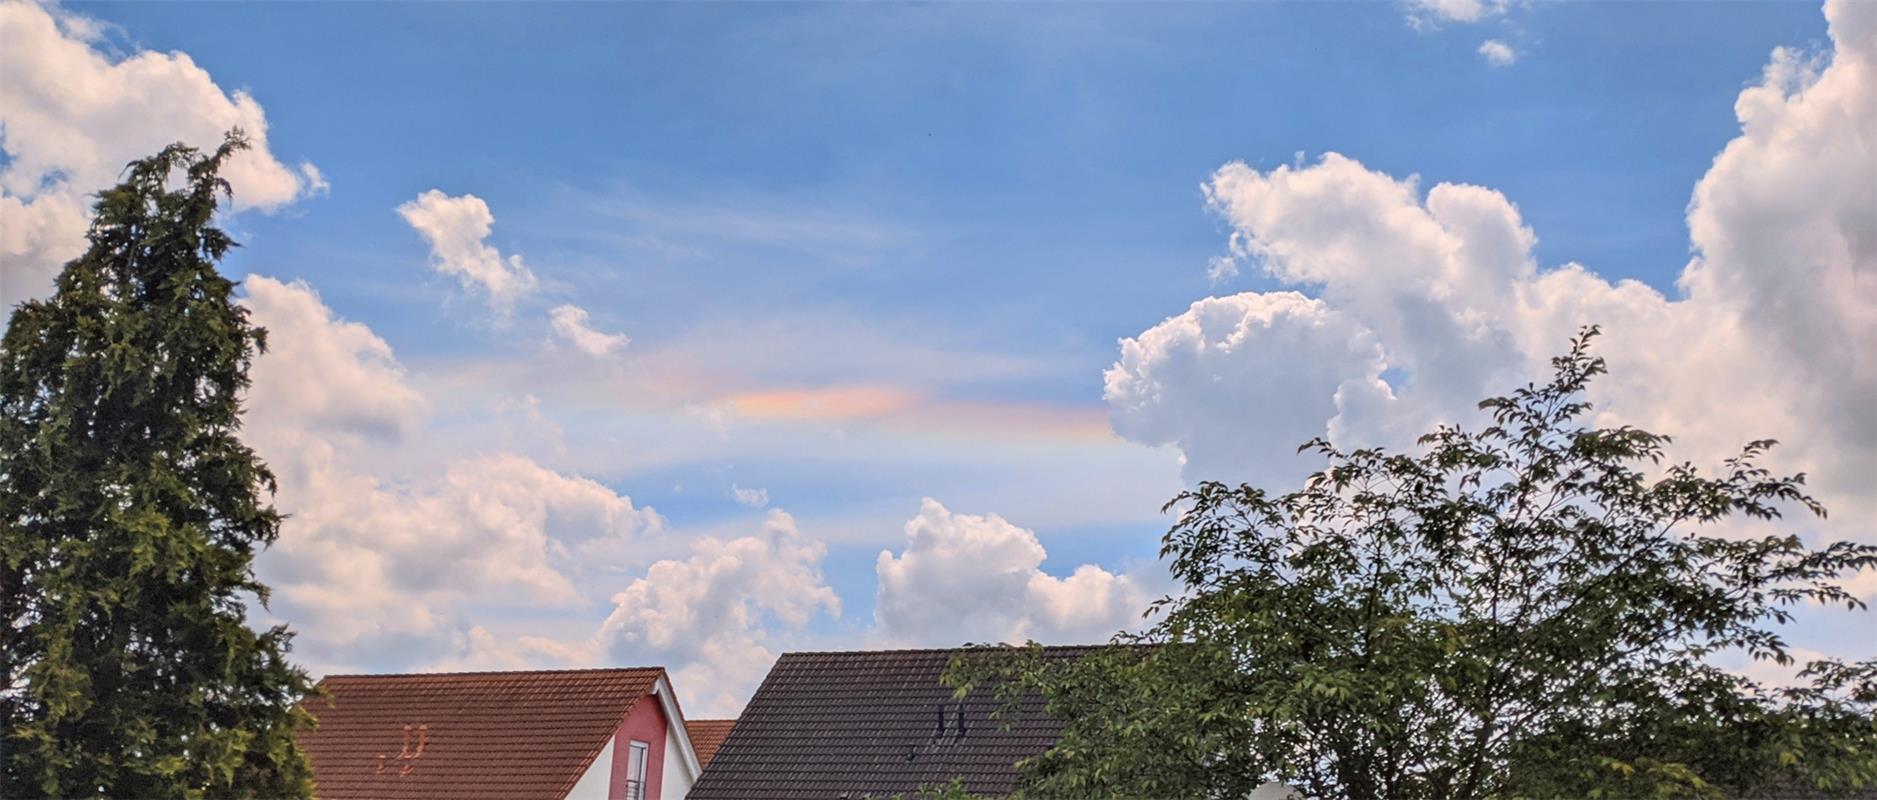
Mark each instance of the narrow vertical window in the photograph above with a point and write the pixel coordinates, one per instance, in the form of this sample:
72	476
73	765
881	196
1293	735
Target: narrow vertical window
637	753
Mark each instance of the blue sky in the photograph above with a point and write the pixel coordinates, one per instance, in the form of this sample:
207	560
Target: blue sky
1034	167
953	212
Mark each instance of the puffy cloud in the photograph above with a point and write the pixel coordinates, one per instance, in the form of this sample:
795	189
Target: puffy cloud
1442	299
1784	228
72	116
707	617
37	236
456	228
1427	278
963	577
1498	53
383	566
1224	379
570	324
364	561
322	373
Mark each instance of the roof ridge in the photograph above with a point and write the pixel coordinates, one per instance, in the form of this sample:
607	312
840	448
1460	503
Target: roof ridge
893	651
488	672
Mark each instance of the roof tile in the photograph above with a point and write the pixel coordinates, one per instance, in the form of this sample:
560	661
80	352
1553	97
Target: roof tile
707	735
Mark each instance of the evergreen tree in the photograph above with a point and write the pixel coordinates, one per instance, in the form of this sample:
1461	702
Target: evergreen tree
130	514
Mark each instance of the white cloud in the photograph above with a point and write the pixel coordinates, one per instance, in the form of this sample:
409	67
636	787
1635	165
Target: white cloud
72	116
373	564
963	577
1425	13
1221	269
570	324
1439	294
480	649
1498	53
707	618
753	498
717	616
37	236
1784	226
1227	378
314	180
456	228
363	562
323	374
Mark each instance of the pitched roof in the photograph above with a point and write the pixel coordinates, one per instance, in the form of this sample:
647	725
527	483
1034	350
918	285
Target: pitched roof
707	735
466	734
831	725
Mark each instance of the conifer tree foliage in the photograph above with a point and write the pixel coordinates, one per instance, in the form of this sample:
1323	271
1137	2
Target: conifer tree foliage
130	515
1531	610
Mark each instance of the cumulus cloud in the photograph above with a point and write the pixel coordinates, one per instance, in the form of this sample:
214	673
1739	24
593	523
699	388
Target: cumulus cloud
369	563
571	326
456	229
1225	379
71	117
1426	302
717	617
362	558
321	373
707	617
963	577
1498	53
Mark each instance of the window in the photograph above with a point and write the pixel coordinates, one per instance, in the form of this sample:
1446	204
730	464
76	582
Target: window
637	754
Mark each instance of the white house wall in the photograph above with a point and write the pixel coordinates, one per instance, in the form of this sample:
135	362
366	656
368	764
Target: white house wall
678	777
598	777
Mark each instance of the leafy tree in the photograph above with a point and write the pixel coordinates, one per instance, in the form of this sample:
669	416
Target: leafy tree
130	513
1529	610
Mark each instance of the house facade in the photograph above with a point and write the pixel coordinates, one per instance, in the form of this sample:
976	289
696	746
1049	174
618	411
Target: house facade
602	734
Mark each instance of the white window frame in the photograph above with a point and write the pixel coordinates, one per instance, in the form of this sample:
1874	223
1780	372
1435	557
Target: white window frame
638	760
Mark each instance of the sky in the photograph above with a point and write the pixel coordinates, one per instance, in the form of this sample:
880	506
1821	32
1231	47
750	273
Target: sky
686	335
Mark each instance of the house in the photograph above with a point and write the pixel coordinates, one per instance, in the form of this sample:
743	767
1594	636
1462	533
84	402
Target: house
879	723
598	734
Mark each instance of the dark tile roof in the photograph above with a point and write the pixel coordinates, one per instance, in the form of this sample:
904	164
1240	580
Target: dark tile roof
466	734
831	725
707	735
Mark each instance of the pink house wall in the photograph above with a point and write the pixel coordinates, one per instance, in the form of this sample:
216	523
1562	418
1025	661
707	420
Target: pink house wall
645	723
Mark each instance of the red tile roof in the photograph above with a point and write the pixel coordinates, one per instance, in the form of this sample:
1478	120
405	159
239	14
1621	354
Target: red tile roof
706	736
859	724
466	735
